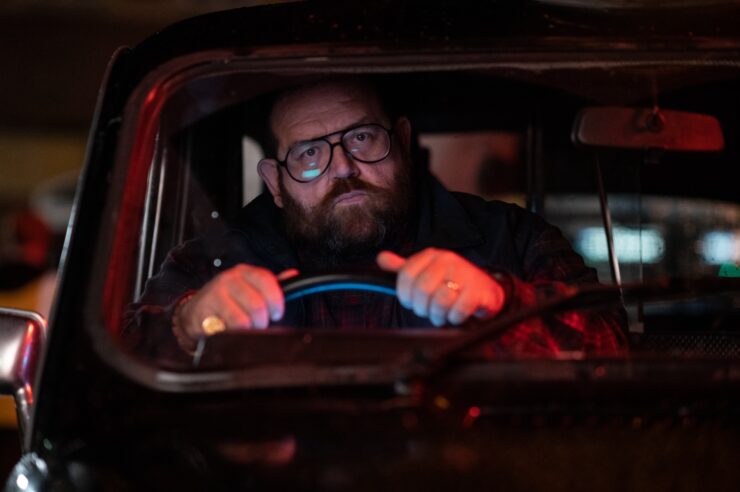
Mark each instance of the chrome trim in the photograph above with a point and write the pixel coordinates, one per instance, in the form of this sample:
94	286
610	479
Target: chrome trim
144	270
162	164
22	340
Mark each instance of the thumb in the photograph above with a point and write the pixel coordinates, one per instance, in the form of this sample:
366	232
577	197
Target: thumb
390	261
286	274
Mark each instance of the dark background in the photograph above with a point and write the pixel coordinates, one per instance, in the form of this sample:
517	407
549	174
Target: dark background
53	54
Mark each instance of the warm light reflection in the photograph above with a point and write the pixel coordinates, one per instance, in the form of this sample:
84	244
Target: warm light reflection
16	355
277	452
8	354
29	393
29	342
470	416
151	96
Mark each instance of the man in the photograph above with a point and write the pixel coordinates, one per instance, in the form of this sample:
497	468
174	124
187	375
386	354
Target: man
343	192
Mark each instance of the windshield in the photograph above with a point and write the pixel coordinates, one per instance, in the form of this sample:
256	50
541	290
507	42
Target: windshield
226	176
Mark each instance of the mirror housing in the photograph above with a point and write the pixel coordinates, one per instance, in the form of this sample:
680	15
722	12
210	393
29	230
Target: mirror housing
647	128
22	338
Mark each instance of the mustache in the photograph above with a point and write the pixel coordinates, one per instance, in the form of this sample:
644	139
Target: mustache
347	185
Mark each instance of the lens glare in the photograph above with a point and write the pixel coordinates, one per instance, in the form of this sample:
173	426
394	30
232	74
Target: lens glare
308	160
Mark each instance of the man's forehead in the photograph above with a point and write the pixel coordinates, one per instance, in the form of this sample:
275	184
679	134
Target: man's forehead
323	109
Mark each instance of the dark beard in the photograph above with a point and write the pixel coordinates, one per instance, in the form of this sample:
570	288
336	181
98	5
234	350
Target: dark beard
325	237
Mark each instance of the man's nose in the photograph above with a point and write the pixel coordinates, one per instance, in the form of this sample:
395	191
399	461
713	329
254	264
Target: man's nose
342	165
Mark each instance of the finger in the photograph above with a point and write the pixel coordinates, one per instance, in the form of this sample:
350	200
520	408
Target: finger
426	284
441	303
233	315
390	261
266	283
466	304
252	302
492	302
222	307
407	275
289	273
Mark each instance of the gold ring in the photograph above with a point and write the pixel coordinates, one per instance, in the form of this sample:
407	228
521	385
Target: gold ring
452	285
212	325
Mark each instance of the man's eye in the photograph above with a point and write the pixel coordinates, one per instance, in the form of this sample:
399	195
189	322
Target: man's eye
307	153
363	137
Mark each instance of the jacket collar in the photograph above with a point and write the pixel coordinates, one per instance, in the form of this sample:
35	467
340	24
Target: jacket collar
442	223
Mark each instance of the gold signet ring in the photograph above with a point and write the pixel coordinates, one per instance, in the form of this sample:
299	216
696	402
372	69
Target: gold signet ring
452	285
212	325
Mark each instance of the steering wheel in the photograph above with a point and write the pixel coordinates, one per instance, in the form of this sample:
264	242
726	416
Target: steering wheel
304	285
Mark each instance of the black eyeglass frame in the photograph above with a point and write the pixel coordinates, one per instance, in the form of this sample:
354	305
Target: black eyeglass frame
341	133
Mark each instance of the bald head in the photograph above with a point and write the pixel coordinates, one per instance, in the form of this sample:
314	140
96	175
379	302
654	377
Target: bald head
297	113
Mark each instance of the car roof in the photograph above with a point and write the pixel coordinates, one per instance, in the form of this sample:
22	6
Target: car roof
522	26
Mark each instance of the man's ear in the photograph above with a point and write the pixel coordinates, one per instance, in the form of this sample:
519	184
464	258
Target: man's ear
269	171
403	132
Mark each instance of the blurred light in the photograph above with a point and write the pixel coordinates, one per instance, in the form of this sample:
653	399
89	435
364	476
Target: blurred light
311	173
729	270
470	417
719	247
9	357
628	243
22	482
442	402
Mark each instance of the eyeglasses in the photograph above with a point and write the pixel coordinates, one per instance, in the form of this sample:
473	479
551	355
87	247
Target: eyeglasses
308	160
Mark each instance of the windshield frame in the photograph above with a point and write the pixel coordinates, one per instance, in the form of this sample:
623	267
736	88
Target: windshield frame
137	143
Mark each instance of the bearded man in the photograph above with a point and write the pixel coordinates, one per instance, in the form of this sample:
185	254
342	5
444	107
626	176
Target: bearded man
343	192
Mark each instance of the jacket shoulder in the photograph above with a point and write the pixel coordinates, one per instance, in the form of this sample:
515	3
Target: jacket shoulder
482	212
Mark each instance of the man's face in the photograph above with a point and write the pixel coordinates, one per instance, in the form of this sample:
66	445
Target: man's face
352	207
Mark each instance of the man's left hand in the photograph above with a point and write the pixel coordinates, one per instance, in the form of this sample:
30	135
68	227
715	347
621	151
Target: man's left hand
443	286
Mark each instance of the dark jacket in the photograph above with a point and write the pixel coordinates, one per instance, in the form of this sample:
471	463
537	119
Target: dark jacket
531	258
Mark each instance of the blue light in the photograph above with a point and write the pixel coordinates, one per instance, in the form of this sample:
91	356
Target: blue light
718	247
630	245
311	173
341	286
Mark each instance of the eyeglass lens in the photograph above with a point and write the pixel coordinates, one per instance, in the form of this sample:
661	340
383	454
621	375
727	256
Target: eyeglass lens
308	160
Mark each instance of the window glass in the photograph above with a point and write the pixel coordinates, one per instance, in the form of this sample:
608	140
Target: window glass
507	136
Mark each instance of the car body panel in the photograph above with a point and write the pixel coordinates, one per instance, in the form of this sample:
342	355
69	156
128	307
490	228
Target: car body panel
522	424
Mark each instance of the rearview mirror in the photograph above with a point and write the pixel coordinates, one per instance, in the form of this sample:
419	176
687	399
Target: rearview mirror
22	335
647	128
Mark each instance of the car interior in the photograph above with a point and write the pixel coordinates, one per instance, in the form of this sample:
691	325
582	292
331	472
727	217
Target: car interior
505	133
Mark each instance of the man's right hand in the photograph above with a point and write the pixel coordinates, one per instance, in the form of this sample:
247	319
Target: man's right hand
243	297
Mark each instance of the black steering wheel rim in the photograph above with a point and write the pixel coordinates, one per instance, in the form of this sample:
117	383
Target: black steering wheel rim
316	283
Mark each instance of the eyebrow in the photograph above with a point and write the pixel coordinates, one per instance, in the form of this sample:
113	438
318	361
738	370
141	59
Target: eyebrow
362	121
